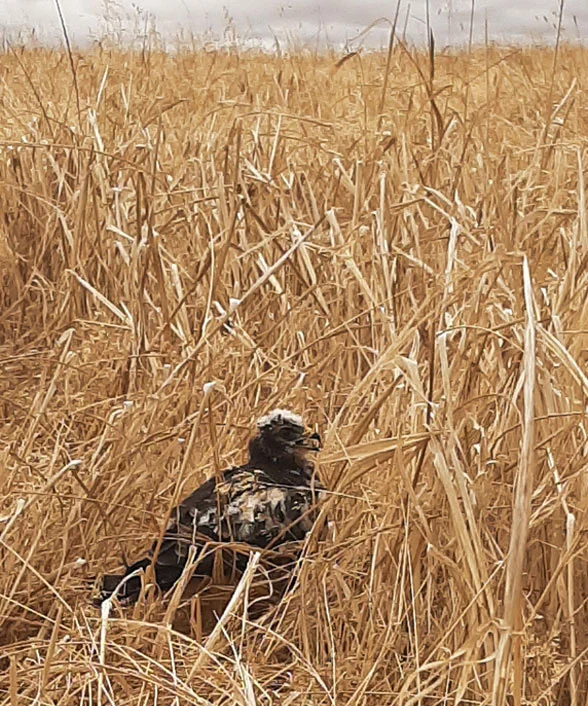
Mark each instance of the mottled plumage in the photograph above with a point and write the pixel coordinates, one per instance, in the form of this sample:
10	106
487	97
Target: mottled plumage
266	503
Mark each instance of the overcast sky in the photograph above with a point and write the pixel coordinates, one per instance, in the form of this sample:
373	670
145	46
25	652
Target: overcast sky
335	20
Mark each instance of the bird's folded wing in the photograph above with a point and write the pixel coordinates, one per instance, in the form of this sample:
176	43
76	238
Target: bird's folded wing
245	505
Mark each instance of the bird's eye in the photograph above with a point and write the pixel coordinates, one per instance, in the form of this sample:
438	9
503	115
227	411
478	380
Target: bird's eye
290	434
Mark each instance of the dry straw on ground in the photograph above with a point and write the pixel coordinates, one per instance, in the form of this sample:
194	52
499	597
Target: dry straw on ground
396	247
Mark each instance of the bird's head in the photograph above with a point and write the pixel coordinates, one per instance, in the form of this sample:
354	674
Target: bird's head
283	439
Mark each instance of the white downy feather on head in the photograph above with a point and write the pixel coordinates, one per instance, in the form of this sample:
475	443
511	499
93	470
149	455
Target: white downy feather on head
280	416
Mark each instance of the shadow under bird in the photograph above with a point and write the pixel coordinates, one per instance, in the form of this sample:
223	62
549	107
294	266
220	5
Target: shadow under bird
267	503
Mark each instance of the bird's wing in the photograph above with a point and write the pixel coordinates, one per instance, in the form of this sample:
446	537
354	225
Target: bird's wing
182	532
246	505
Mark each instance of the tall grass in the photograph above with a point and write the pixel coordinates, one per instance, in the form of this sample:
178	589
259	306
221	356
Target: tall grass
396	246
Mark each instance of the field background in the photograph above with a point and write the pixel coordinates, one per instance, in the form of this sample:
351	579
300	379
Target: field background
395	245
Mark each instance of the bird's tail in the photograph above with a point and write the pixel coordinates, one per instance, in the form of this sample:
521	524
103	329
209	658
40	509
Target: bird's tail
128	589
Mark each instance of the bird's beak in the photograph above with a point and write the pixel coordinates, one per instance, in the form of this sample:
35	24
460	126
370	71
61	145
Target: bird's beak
311	440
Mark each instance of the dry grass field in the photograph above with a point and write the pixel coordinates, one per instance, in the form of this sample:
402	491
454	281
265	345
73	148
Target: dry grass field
396	246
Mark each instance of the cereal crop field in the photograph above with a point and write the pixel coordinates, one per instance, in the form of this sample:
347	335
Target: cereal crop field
394	244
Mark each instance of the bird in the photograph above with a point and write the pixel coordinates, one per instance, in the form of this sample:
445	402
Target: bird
269	503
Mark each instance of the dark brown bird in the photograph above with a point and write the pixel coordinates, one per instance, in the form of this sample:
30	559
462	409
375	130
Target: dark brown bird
268	502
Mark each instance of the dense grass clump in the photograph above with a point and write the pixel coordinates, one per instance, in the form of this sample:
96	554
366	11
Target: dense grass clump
396	246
